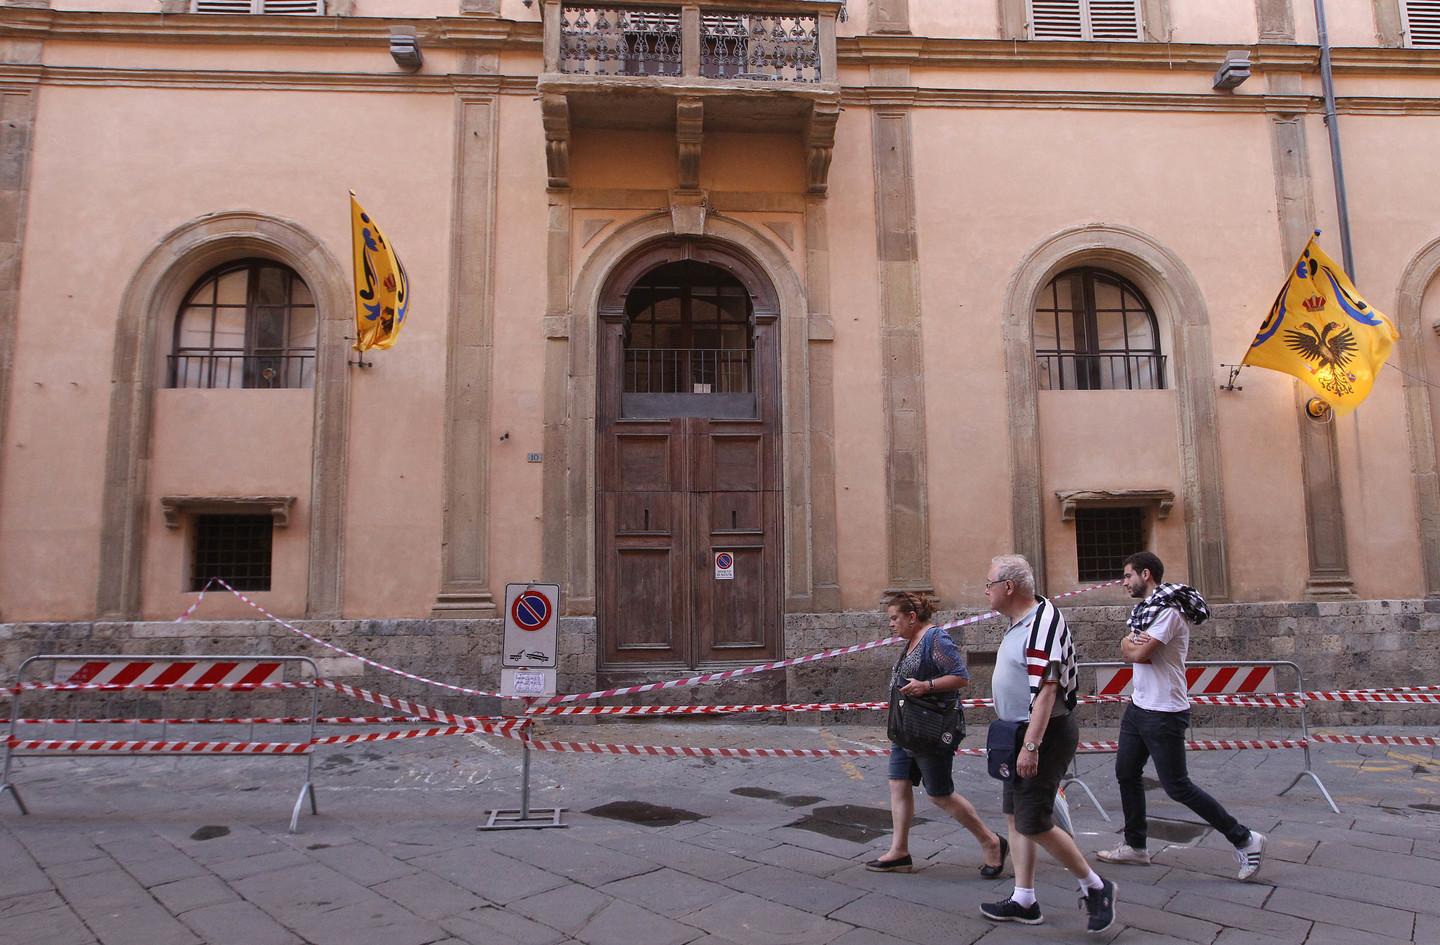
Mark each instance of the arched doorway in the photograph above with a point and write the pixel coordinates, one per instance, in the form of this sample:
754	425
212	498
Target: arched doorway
688	416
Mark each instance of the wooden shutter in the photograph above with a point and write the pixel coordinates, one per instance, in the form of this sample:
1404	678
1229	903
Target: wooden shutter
301	7
1113	19
1422	23
1056	19
1105	20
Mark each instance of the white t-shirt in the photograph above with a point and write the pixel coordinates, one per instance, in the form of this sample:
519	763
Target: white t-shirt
1160	684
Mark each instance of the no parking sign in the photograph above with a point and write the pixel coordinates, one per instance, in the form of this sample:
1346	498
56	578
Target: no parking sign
531	616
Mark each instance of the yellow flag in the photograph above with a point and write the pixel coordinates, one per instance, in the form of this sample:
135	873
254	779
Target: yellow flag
382	290
1321	331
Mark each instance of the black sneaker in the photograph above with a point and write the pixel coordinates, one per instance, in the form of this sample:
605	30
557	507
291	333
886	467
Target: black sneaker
1100	903
1009	910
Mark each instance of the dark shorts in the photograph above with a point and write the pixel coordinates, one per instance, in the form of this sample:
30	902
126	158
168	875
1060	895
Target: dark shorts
933	770
1032	800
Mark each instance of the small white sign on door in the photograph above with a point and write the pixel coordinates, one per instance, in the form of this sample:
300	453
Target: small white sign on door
724	566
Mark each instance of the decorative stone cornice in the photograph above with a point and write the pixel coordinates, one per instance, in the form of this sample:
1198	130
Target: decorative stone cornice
250	29
1094	56
1070	500
277	506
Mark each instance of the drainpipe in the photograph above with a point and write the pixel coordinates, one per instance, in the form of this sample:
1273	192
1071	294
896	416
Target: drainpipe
1327	83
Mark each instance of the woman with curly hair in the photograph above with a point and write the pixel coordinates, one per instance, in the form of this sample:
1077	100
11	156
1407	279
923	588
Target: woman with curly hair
931	664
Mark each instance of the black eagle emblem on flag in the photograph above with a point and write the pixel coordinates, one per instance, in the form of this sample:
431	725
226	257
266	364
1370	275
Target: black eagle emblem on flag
1328	352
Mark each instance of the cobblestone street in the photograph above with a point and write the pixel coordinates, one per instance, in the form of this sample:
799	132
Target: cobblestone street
668	851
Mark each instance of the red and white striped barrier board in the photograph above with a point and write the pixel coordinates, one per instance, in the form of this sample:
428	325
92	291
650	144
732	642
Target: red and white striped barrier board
128	746
1200	680
278	720
139	671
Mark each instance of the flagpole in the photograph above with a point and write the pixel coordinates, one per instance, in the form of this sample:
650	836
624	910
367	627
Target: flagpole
1327	84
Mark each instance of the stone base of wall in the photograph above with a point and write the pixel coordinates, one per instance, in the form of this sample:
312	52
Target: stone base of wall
1338	645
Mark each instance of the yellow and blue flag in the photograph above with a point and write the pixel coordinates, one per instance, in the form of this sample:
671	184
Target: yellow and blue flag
382	290
1321	331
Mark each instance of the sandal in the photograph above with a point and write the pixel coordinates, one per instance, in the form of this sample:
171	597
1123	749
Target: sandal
990	872
903	864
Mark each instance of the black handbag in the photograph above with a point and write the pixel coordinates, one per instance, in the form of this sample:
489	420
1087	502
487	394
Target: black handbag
925	725
1002	747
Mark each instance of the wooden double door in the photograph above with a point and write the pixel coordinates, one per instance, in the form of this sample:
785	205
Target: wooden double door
684	476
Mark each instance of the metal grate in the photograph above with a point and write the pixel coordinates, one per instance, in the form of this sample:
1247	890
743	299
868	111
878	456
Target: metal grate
1104	538
616	41
292	7
760	47
1422	23
233	547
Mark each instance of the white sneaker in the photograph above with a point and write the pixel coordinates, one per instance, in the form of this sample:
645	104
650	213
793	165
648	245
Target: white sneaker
1125	853
1249	856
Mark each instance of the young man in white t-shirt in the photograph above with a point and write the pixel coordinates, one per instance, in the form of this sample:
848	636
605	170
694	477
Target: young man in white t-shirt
1158	716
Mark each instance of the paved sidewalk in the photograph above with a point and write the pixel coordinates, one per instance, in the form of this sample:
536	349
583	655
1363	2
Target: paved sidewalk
752	852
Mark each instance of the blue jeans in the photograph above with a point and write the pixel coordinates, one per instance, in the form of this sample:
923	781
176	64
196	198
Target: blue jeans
1161	735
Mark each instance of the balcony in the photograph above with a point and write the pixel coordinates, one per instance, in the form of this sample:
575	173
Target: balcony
760	66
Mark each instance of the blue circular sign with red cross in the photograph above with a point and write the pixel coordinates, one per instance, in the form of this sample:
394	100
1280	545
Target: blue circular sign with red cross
531	611
724	561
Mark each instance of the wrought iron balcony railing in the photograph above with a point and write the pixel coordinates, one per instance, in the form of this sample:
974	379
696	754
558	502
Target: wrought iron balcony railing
688	41
222	369
1069	370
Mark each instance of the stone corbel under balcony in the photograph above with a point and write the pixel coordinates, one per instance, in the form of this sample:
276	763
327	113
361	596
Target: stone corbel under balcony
276	506
1070	500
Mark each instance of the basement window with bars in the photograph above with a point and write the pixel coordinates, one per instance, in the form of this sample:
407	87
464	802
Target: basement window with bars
1422	23
1099	20
1105	537
233	547
283	7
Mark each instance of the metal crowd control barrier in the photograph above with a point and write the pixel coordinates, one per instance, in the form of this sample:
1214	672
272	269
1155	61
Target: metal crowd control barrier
1206	678
111	673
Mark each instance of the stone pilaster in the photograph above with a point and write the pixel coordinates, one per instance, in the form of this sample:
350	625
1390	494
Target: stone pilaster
1319	453
902	367
465	575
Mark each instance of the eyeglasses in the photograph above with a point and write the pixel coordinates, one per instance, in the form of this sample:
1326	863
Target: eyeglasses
990	584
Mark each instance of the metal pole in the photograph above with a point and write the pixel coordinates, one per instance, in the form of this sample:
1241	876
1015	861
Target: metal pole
1327	84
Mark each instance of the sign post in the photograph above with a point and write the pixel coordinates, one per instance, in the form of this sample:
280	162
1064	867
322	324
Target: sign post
527	671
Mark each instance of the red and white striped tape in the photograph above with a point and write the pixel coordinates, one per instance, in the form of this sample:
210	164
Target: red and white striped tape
703	709
782	664
84	745
278	720
1418	741
396	736
648	687
464	690
195	604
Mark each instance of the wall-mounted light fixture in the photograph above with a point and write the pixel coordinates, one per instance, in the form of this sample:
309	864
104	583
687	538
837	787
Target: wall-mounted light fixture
405	48
1235	70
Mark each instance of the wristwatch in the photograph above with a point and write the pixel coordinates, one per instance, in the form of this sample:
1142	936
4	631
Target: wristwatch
1031	746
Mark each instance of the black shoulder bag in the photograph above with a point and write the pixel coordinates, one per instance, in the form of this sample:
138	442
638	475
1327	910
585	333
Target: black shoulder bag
926	724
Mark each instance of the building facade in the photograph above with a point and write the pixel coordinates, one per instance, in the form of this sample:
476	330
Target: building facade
859	294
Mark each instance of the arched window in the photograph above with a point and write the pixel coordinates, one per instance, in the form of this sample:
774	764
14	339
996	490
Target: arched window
688	331
1095	331
246	324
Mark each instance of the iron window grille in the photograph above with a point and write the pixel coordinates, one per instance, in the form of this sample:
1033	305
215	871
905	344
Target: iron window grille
690	331
1421	22
598	40
233	547
291	7
1100	20
1104	538
246	324
1093	330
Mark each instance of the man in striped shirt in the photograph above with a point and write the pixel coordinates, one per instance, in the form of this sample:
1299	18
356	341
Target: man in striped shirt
1035	682
1158	715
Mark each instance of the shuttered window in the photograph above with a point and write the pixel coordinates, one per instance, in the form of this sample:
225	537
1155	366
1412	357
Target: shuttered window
293	7
1422	23
1103	20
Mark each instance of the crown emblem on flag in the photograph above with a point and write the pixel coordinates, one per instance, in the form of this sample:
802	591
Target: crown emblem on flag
1315	303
